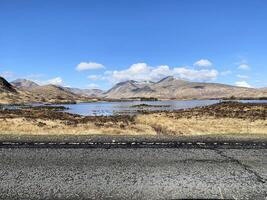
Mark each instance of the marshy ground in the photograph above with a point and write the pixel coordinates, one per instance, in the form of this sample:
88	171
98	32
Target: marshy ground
221	118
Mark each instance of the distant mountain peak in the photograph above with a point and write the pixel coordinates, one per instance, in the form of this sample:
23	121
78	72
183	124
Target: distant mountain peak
172	87
171	80
124	83
145	82
24	83
167	78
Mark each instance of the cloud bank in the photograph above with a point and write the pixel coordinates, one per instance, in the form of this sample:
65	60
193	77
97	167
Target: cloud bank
242	84
88	66
242	76
144	72
244	67
53	81
203	63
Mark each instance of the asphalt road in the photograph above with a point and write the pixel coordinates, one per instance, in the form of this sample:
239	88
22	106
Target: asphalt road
133	173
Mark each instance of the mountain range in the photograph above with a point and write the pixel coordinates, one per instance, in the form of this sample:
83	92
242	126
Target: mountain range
173	88
22	91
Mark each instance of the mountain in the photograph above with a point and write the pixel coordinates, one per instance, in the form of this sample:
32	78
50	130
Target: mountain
134	89
93	93
170	81
122	90
52	93
24	84
5	86
173	88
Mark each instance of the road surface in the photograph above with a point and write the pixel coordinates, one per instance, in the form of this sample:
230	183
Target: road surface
133	173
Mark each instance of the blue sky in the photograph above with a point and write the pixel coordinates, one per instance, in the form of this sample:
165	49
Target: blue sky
96	43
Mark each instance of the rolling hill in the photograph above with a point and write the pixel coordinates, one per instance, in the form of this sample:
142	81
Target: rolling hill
25	84
53	93
25	91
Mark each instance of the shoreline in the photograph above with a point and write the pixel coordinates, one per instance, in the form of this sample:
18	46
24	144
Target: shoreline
95	100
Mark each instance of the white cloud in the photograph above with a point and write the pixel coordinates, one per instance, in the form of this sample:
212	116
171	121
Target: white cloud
160	72
226	73
202	63
196	75
92	86
89	66
53	81
244	66
139	71
242	76
143	72
242	84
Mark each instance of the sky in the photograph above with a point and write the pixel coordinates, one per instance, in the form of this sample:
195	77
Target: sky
98	43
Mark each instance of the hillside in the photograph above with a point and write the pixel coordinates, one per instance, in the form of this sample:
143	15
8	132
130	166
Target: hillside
53	93
173	88
29	92
5	86
24	84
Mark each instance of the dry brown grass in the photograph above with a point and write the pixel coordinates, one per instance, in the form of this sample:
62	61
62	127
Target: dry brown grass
152	124
48	127
163	123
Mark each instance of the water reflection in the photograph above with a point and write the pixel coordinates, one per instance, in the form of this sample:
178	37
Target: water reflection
131	107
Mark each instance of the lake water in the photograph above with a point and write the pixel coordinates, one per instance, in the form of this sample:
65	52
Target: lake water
129	108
